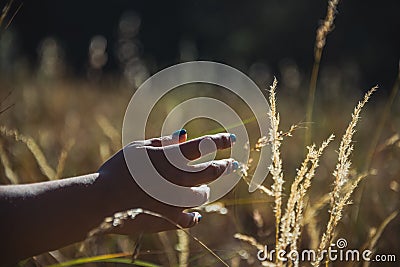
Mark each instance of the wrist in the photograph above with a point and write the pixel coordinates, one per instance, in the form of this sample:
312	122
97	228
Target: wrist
112	195
103	189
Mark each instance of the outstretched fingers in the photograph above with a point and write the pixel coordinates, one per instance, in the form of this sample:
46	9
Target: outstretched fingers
206	172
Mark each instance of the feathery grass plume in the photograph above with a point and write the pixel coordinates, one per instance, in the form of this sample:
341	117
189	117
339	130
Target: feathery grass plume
312	210
345	149
263	141
10	174
183	248
322	32
327	25
292	220
340	195
38	154
314	156
276	165
375	237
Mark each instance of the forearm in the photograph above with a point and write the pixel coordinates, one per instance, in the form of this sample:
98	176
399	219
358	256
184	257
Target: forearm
45	216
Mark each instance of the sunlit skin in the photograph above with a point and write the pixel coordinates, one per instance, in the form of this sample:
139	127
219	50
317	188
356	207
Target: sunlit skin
41	217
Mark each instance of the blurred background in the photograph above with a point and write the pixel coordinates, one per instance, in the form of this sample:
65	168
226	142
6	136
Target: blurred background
69	68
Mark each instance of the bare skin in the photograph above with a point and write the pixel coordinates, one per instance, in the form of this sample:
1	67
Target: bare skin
41	217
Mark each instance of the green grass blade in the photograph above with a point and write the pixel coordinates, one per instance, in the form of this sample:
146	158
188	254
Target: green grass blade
114	258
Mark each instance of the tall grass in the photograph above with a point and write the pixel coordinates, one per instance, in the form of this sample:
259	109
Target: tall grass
322	32
294	215
340	196
288	227
276	166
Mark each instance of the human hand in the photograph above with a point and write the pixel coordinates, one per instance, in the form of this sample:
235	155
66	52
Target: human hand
124	193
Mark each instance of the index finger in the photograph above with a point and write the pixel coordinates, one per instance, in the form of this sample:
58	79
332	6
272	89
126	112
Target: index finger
191	149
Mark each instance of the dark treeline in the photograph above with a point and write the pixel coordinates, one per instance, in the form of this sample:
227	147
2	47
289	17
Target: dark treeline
235	32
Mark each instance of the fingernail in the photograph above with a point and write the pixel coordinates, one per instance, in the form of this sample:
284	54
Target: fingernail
232	137
179	132
235	165
196	217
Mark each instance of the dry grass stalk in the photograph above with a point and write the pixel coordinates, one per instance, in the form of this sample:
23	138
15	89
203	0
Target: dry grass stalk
5	11
2	110
319	204
374	239
312	229
10	174
183	248
250	240
314	209
322	32
345	149
63	158
391	141
119	218
44	166
104	150
335	216
339	196
276	166
314	156
311	221
109	131
168	248
327	25
292	220
263	141
260	143
262	188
